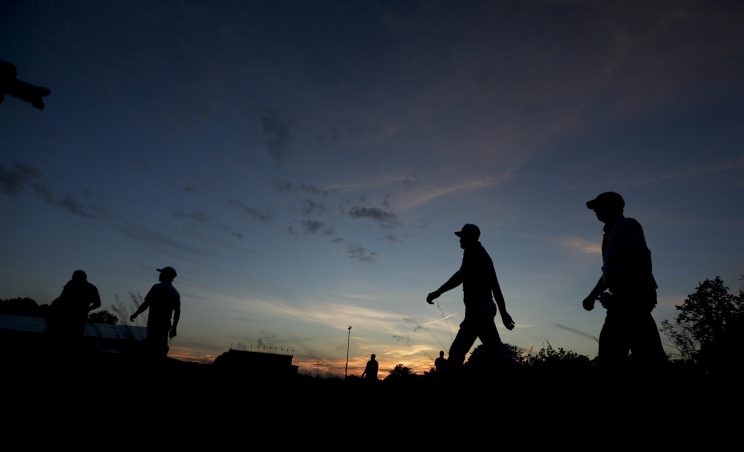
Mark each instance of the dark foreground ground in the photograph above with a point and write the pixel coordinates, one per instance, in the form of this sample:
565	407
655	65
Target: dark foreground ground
171	402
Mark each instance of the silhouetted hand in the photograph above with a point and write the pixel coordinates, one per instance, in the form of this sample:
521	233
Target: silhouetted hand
433	296
606	299
588	303
507	320
172	333
132	317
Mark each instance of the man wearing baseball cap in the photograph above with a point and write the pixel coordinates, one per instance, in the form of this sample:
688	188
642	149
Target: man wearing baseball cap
626	274
164	302
479	282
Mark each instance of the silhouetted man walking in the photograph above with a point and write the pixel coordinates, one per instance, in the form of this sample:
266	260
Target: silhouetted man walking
626	273
69	312
440	364
479	282
164	302
370	371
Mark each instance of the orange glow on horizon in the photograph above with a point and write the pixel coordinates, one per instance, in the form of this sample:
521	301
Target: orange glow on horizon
318	367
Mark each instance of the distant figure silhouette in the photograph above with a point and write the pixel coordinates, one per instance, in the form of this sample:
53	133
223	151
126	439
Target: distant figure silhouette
164	302
441	363
478	279
626	273
9	84
69	312
370	371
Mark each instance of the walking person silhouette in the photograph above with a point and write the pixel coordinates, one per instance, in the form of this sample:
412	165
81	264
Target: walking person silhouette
370	370
68	314
480	287
626	273
164	302
440	364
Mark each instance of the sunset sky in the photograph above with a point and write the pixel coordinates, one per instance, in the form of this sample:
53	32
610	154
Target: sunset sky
304	164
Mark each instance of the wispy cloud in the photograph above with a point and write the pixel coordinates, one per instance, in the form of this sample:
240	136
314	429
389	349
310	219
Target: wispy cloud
378	182
579	245
336	315
575	331
311	207
423	195
162	241
316	227
287	186
66	201
261	215
384	218
711	169
359	253
13	180
194	216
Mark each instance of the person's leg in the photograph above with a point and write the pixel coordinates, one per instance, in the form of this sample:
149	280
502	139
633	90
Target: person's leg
613	344
648	353
487	331
462	343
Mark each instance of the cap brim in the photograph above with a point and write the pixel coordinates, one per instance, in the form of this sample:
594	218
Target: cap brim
458	233
591	204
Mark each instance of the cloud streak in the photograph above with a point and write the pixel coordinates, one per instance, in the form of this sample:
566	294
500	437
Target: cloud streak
418	197
13	181
579	245
260	215
386	219
359	253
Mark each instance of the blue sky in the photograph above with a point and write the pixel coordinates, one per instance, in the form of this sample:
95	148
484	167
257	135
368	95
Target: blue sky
303	165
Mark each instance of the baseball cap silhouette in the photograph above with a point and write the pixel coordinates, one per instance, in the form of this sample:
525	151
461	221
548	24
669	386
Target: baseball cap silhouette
606	199
168	272
468	231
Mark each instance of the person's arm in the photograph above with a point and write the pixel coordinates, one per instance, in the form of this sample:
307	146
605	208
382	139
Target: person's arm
176	317
600	287
454	281
95	303
141	308
500	302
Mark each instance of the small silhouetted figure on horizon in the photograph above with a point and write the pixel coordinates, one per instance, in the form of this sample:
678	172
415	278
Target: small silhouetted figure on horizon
370	371
626	273
479	282
69	312
10	85
440	364
164	303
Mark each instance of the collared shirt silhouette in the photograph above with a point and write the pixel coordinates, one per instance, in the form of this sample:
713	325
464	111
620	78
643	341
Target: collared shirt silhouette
69	312
164	303
627	274
370	371
479	283
440	364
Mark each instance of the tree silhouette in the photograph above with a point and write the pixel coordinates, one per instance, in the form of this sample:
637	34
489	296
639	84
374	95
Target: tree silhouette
23	306
103	316
560	361
400	373
483	360
708	327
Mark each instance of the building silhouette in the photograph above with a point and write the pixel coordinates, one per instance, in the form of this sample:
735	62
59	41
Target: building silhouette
253	365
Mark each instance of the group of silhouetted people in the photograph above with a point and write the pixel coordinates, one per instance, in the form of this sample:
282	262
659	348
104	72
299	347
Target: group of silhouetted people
65	325
626	289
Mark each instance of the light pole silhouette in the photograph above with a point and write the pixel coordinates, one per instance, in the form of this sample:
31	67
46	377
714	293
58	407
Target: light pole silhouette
348	339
